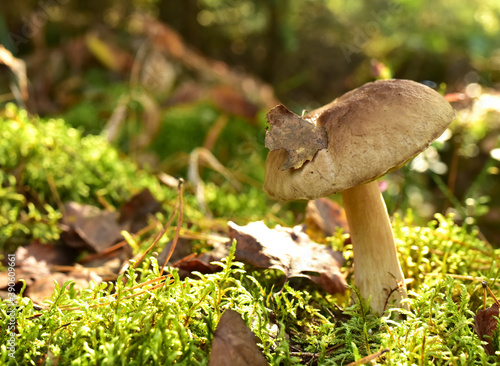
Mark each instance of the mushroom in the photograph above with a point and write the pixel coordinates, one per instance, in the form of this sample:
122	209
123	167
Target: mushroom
371	131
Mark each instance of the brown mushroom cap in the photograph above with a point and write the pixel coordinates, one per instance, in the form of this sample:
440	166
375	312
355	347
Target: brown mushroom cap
372	130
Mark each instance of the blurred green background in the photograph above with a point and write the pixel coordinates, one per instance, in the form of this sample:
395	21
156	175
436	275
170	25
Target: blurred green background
161	79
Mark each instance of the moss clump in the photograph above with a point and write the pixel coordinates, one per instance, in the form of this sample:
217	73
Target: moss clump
44	163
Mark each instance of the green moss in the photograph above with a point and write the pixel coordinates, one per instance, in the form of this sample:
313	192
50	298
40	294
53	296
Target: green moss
43	162
295	324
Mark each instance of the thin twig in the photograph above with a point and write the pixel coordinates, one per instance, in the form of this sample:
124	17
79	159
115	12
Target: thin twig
179	224
485	285
160	234
369	358
459	277
116	246
110	297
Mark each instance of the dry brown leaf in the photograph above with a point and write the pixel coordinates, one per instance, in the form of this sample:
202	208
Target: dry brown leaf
291	251
95	228
28	268
299	137
135	213
194	263
326	215
202	262
33	265
234	343
485	324
43	288
90	227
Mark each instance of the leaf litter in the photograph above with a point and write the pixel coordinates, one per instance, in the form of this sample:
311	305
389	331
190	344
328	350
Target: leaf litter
291	251
234	343
485	325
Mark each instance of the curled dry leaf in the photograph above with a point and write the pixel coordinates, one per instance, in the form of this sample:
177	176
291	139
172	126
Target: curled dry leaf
485	324
234	343
299	137
291	251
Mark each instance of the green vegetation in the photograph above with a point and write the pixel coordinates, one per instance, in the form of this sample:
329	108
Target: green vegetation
115	100
46	163
122	323
136	321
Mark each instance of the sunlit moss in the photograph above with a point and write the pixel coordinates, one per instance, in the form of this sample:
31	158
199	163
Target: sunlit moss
34	153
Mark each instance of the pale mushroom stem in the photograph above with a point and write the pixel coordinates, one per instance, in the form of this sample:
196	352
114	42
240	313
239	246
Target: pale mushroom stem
377	272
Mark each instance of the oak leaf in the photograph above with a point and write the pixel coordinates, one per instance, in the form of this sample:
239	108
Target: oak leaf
291	251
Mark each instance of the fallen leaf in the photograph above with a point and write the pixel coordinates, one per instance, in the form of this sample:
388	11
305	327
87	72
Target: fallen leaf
485	324
183	248
43	288
202	262
135	213
33	265
53	255
299	137
325	215
89	226
28	268
291	251
193	263
234	343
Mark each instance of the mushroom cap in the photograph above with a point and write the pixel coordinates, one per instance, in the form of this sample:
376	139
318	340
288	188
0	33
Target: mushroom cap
372	130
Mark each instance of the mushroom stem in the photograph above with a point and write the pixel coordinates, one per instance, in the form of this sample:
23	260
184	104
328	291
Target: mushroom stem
377	272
